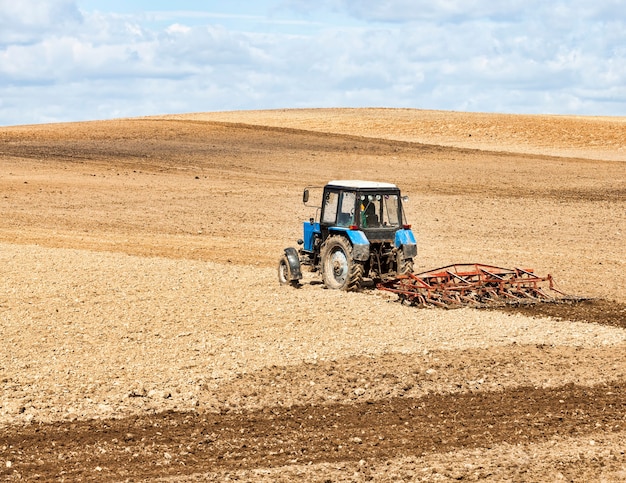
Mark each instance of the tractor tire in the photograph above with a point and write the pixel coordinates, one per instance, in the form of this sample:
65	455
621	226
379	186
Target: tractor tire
405	265
284	273
339	270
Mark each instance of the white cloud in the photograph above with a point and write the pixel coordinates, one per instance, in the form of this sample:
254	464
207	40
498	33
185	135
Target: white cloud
177	29
459	11
29	21
60	63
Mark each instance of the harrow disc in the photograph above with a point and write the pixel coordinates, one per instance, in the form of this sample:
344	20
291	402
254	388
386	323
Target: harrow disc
474	285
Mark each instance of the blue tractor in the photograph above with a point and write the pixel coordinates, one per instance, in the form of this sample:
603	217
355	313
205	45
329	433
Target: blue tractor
359	232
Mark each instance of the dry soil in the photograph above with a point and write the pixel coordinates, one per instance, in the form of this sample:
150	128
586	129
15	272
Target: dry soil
145	336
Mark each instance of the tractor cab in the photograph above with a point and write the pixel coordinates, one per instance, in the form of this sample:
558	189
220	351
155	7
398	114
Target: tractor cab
362	205
372	207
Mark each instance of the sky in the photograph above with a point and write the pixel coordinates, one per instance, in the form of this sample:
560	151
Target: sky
74	60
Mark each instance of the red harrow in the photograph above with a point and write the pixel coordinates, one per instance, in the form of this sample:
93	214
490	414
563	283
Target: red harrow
474	285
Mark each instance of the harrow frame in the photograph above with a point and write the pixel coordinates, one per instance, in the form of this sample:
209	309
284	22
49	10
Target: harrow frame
475	285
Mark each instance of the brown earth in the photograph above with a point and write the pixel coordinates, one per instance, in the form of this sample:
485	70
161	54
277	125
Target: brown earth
144	334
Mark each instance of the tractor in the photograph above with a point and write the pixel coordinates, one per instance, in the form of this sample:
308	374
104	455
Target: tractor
359	232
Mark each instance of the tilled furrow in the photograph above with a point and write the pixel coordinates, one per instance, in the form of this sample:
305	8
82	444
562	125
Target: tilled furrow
186	443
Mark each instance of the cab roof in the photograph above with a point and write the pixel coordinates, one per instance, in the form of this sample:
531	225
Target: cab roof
360	184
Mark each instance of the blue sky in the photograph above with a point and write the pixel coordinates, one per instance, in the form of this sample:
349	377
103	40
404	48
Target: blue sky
71	60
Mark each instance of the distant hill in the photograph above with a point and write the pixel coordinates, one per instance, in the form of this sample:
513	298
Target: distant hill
591	137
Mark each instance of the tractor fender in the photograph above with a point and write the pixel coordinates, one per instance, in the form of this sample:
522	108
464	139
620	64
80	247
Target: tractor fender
358	240
294	263
406	241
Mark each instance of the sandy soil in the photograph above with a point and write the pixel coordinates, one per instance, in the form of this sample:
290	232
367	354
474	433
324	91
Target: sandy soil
145	336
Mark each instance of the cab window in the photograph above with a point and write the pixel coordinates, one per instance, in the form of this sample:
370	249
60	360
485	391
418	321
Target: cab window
346	211
330	207
380	210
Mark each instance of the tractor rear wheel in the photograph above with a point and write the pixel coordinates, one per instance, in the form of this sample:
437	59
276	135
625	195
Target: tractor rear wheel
405	265
339	270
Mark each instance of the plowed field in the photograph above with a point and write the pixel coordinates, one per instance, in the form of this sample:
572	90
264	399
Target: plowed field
145	336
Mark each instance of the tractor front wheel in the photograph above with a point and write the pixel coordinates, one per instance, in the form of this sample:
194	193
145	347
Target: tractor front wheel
284	273
340	271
